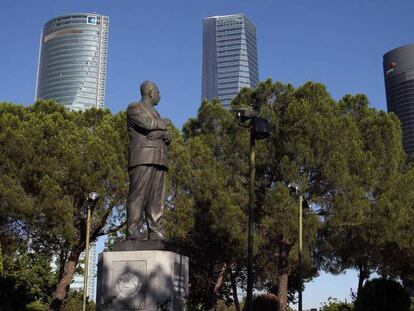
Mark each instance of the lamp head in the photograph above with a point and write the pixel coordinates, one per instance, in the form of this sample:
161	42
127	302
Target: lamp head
293	188
261	128
245	114
93	197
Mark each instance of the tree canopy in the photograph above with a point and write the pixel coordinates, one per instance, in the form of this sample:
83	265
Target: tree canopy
50	160
346	158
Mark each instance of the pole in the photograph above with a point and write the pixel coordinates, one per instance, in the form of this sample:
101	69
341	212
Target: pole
300	252
252	169
85	276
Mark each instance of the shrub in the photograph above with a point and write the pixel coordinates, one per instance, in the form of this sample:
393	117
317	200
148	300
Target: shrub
266	302
334	304
382	295
37	306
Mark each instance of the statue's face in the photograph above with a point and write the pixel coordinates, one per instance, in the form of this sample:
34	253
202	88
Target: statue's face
155	96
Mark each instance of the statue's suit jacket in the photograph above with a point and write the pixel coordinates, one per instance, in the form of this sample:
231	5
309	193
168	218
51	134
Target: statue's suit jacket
143	119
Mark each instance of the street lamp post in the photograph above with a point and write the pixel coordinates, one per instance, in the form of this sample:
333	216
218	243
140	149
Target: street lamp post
295	188
300	252
252	174
92	199
259	129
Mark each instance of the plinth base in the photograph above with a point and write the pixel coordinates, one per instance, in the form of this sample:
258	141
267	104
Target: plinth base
147	280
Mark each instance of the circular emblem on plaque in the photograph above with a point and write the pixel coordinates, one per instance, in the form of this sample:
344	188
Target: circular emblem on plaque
128	285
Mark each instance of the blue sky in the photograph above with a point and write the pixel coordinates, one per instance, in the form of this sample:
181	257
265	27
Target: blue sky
338	43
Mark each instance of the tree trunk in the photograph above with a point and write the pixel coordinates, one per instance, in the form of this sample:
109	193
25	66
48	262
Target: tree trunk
65	279
63	285
220	277
207	287
62	261
234	290
363	275
215	283
283	272
218	281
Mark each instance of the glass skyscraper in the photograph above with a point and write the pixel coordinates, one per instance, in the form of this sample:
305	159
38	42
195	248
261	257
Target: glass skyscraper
399	86
72	60
229	57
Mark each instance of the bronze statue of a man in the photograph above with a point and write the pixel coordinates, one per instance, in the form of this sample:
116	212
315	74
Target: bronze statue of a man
147	164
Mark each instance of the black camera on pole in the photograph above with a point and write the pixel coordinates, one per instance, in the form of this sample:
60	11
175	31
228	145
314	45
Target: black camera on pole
260	127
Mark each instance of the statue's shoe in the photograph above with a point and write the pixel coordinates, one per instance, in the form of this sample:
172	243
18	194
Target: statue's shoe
156	236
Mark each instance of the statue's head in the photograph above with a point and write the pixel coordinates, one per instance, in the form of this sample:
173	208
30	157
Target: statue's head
150	92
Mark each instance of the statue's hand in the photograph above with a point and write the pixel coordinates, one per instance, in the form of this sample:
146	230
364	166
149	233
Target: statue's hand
166	138
154	135
167	121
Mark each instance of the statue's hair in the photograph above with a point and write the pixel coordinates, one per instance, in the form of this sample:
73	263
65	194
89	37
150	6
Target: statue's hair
146	87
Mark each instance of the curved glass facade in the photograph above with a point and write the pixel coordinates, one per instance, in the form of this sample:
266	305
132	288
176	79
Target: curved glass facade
399	86
229	57
72	60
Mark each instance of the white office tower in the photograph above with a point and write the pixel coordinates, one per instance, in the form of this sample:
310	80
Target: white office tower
229	57
72	60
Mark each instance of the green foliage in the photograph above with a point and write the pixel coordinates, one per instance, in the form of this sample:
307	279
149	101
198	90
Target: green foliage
208	198
37	306
346	157
13	296
334	304
348	160
74	302
1	262
303	148
27	278
382	295
224	306
395	217
358	209
50	160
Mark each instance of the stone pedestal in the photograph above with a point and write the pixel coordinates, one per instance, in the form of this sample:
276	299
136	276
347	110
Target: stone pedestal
142	275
